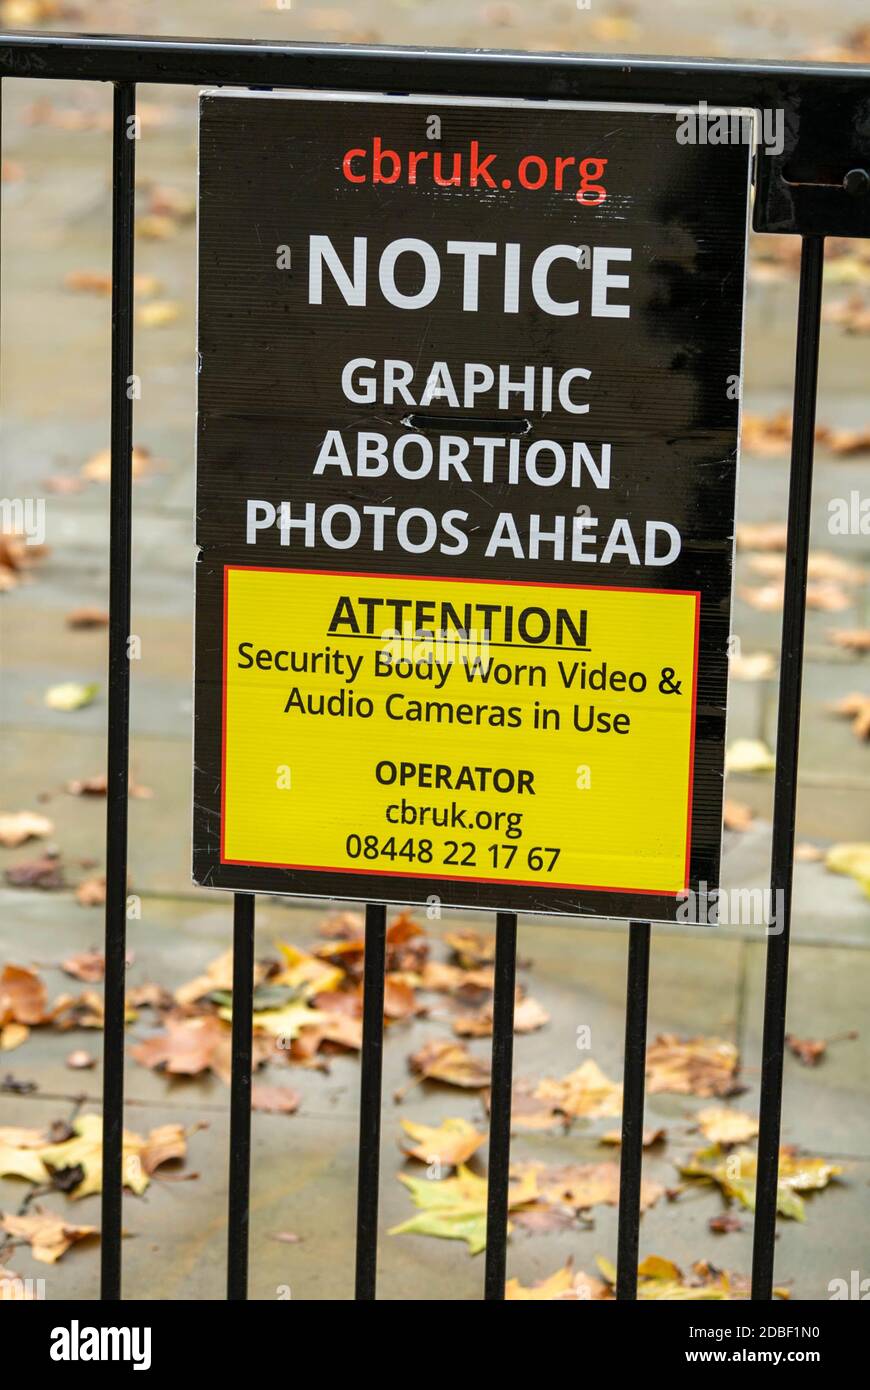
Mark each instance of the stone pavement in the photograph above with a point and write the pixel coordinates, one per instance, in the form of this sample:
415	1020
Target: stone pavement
54	390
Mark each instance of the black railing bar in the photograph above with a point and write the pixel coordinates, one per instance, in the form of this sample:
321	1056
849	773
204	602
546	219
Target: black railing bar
239	1192
633	1079
118	736
787	750
376	67
371	1073
505	985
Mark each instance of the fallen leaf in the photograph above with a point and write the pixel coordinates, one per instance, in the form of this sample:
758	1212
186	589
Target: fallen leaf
88	282
528	1016
649	1138
735	1174
48	1235
753	666
75	1164
158	313
737	816
89	966
186	1048
86	618
564	1285
692	1066
852	313
725	1222
761	535
449	1144
441	1059
855	639
91	892
98	468
581	1185
852	859
16	827
471	948
71	695
45	873
749	755
286	1237
723	1126
857	708
12	1035
809	1051
23	995
275	1100
585	1092
455	1208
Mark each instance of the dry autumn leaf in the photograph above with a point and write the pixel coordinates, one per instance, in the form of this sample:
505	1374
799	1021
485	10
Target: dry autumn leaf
855	639
565	1285
649	1138
16	827
580	1185
585	1092
809	1051
753	666
857	708
80	1156
692	1066
528	1016
48	1234
275	1100
735	1174
23	996
723	1126
45	873
91	892
737	816
441	1059
98	468
187	1047
749	755
448	1144
85	619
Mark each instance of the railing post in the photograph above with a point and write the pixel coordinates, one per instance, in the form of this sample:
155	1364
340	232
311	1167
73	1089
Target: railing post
633	1090
239	1203
368	1175
498	1179
120	529
787	747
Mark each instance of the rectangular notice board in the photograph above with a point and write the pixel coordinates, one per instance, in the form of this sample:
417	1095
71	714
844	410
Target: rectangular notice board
469	389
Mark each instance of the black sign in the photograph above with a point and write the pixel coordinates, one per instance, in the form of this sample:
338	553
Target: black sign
467	454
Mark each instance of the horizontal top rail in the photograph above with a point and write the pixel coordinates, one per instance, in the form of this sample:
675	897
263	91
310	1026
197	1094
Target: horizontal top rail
820	109
603	77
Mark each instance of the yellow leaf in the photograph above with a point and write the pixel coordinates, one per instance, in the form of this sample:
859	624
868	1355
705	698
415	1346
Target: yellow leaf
451	1143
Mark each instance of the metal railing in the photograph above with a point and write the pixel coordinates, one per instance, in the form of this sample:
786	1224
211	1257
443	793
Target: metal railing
814	186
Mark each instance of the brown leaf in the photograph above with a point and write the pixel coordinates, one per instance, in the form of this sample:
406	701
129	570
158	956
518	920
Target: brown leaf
48	1234
857	708
649	1139
91	892
88	282
440	1059
809	1051
528	1016
584	1092
471	948
852	313
45	873
582	1185
23	996
89	966
188	1046
855	639
98	468
164	1144
723	1223
87	618
761	535
692	1066
343	926
275	1100
737	816
18	826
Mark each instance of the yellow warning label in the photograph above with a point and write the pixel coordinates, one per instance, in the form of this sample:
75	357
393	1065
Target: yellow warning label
459	729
